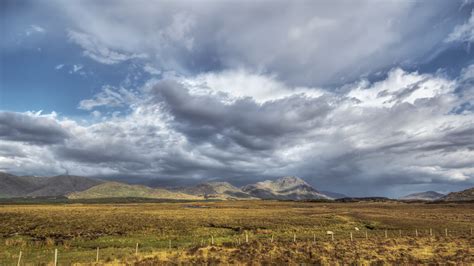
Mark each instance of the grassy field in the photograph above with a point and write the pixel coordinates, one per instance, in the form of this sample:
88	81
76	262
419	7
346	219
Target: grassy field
277	232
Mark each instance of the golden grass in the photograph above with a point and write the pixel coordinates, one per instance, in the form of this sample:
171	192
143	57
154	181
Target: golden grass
78	229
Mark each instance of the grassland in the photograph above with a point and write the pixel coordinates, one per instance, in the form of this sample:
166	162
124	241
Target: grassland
183	233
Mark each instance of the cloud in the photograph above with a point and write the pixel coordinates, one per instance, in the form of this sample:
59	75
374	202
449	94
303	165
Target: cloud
97	51
34	29
31	128
464	32
384	135
109	97
304	43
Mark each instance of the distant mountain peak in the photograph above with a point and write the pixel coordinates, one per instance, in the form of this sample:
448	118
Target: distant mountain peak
288	187
427	195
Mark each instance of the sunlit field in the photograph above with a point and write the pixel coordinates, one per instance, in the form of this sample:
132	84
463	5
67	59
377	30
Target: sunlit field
237	232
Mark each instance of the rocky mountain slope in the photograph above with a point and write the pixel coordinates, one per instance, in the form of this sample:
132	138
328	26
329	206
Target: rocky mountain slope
285	188
120	190
464	195
34	186
427	196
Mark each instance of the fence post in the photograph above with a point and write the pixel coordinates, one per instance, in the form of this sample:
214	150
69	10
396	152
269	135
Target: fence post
294	238
55	257
351	236
19	259
386	234
314	238
212	240
136	249
332	237
97	255
246	237
366	235
416	232
446	231
272	239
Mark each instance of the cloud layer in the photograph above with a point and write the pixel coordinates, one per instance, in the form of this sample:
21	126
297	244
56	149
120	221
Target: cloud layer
386	134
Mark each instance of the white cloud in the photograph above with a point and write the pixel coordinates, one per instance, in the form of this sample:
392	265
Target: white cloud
34	29
464	32
108	97
97	51
241	83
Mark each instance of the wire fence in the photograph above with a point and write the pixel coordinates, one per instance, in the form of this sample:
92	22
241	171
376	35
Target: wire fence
97	254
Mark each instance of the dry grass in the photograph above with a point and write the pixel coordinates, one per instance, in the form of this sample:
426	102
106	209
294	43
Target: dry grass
77	230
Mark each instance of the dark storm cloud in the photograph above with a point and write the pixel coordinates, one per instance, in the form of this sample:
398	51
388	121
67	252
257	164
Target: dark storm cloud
25	128
250	125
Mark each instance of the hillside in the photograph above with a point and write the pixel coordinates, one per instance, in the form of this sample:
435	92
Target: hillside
216	190
34	186
120	190
464	195
285	188
427	196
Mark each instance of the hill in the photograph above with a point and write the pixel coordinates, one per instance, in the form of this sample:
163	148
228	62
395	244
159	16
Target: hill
465	195
427	196
120	190
333	195
34	186
285	188
216	190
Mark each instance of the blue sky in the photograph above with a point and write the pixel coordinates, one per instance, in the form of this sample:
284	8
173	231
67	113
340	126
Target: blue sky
351	96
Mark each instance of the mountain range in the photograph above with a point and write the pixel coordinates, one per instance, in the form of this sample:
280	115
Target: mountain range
285	188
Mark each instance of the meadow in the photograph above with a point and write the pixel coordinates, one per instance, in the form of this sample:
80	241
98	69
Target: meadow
237	232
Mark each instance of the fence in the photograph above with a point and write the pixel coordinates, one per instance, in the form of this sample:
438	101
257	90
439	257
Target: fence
281	238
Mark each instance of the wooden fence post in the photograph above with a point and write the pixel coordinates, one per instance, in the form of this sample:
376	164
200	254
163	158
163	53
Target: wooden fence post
19	259
314	238
351	236
272	239
55	257
366	235
97	255
416	232
212	240
294	238
246	237
446	231
136	249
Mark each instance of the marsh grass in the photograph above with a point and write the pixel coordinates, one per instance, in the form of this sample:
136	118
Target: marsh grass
78	229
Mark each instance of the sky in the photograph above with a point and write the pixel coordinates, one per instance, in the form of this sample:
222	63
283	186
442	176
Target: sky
366	98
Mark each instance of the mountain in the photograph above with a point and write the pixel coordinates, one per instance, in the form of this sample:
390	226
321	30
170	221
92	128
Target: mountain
428	196
121	190
34	186
334	195
465	195
216	190
285	188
